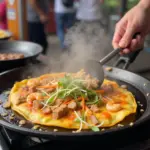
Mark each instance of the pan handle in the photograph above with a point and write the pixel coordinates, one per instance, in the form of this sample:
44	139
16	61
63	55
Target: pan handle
132	56
117	50
4	145
125	60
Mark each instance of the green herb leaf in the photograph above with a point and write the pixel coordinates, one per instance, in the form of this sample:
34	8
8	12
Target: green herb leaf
96	100
74	88
95	129
51	99
43	94
77	120
64	82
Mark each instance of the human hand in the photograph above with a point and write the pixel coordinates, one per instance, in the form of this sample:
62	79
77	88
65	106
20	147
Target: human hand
44	18
137	20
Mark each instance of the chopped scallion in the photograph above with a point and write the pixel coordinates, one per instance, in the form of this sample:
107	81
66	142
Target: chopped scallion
95	129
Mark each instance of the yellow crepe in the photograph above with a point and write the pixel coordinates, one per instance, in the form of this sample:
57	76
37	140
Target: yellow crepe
107	118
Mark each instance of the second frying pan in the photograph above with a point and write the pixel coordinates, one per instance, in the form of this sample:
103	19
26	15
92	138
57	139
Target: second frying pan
29	49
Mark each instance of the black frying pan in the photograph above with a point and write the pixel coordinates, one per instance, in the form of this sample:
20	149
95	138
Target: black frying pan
138	85
29	49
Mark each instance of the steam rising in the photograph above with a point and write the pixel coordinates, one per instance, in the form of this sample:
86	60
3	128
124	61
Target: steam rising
86	41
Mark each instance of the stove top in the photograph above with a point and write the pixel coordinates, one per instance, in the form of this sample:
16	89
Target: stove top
10	140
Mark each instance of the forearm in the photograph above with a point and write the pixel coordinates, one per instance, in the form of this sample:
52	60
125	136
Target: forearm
145	4
36	7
